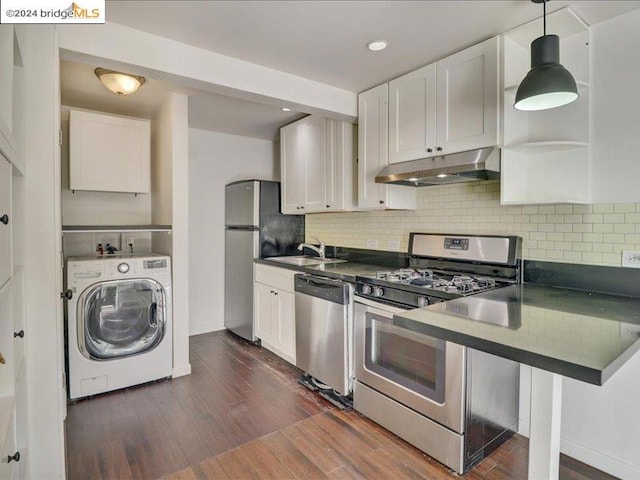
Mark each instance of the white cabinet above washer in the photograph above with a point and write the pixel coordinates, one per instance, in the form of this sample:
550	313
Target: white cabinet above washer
109	153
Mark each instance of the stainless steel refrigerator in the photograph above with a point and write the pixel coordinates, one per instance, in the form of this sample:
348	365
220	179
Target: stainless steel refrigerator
254	228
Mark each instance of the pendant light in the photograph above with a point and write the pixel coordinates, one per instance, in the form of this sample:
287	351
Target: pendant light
548	84
118	82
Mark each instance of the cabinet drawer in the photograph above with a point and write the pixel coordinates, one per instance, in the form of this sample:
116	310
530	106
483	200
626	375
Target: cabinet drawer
280	278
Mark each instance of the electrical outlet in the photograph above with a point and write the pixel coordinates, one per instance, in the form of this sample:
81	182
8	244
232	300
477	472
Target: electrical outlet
631	259
371	243
393	245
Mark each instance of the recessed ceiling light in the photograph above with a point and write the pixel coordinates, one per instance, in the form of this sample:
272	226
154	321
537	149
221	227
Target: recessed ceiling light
377	45
441	175
413	179
285	109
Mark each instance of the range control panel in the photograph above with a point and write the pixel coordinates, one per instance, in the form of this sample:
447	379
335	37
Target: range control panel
456	243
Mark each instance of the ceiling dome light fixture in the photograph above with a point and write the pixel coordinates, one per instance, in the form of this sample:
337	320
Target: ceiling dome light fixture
548	84
377	45
118	82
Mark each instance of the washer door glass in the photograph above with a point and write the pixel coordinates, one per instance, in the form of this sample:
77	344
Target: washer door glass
120	318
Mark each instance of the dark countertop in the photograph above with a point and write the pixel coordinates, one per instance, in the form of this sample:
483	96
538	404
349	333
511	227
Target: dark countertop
581	335
346	271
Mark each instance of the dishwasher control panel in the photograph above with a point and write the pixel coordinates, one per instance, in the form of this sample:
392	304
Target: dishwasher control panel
334	291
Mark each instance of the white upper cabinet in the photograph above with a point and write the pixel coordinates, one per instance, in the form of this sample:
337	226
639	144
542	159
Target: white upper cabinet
109	153
545	158
468	98
341	165
292	169
373	154
316	156
302	157
412	115
446	107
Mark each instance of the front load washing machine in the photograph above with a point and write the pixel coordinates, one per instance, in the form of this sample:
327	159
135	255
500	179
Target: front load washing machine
119	322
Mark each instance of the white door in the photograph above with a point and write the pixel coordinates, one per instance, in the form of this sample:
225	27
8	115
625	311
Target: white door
286	325
467	98
314	154
292	169
412	115
5	220
372	145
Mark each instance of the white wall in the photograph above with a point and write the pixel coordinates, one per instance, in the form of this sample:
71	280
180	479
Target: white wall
216	159
170	205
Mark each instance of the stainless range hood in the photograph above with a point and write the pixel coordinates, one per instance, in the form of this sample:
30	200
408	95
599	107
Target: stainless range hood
470	166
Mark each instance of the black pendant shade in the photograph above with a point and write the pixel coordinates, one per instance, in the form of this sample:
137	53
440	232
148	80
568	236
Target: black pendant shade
548	84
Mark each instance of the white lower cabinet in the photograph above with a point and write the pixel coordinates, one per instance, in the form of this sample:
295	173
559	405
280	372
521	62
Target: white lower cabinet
274	310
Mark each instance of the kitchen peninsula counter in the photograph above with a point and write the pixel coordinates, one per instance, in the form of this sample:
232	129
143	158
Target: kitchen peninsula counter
582	335
559	332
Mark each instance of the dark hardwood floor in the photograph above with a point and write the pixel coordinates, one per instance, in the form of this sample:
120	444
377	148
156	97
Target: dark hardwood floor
242	415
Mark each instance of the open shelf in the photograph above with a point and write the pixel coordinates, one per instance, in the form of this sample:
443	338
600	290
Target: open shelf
548	146
114	228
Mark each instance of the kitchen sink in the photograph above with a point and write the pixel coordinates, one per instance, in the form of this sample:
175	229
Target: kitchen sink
302	260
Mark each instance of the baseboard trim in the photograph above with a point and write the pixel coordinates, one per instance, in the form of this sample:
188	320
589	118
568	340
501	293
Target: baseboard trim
606	463
207	328
181	371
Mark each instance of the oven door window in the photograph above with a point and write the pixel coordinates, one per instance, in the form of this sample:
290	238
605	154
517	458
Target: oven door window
412	360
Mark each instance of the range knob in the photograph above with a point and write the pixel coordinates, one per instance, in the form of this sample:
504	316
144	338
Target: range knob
423	302
378	291
366	289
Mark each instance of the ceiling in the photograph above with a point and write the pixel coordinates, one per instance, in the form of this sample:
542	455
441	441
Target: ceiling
325	40
80	88
319	40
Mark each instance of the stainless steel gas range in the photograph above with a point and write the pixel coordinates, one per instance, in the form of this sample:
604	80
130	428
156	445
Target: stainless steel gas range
454	403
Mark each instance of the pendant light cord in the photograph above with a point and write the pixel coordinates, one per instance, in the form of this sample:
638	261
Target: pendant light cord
544	17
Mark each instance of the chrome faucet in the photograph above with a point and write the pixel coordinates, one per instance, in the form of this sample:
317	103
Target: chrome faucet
319	250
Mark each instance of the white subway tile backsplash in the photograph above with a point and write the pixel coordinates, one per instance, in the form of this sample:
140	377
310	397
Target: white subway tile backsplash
592	234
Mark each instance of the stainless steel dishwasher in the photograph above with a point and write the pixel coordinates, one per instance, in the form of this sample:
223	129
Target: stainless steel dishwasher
323	330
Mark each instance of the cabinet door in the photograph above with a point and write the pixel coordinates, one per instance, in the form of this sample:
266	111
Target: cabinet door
372	145
412	115
314	158
286	342
467	98
341	166
6	80
263	312
108	153
5	221
8	470
292	169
